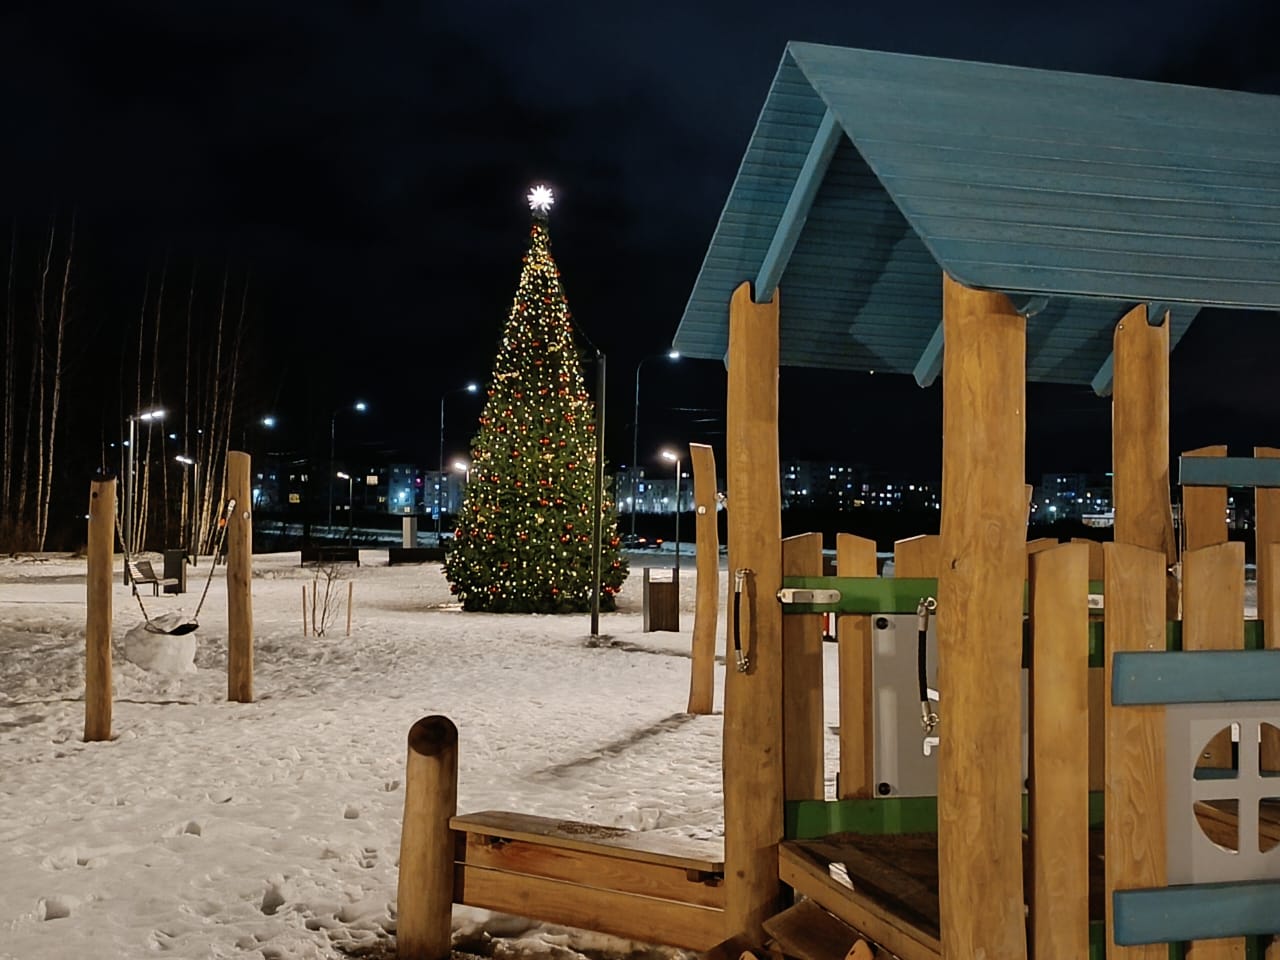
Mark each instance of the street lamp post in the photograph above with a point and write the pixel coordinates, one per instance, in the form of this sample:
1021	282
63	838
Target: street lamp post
670	455
359	407
195	500
350	503
635	438
439	511
130	460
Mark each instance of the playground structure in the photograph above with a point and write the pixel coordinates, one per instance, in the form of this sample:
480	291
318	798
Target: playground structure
98	614
1066	229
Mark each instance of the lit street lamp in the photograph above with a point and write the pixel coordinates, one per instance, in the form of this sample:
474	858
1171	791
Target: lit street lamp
359	407
439	509
130	463
350	503
675	457
635	438
195	499
463	468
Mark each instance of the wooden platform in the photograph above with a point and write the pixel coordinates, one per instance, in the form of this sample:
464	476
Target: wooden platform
886	887
647	886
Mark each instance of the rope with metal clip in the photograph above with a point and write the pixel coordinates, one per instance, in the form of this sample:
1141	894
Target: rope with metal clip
928	719
739	578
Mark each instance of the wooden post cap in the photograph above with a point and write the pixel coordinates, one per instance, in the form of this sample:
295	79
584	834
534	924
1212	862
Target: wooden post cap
432	735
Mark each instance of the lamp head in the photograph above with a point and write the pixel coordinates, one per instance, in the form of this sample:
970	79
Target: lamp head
361	406
670	455
343	476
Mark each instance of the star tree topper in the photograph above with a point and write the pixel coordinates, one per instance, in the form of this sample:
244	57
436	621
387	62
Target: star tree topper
540	199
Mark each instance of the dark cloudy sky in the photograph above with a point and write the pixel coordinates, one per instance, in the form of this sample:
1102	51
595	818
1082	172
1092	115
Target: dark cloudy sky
367	162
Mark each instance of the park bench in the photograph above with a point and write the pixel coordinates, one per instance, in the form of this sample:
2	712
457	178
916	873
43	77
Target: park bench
141	572
330	555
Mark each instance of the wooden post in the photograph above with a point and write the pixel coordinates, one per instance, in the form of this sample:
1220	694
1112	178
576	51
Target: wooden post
1096	564
304	610
855	557
1140	441
351	590
1266	510
1135	797
802	714
424	898
702	671
97	627
1213	619
1059	796
1269	599
980	604
753	699
239	580
1204	509
917	557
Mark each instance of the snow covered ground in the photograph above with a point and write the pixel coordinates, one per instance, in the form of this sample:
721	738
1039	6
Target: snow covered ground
209	829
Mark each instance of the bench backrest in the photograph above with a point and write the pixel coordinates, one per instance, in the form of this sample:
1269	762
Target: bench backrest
142	571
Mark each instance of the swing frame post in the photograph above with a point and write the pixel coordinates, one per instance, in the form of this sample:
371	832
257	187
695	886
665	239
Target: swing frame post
97	632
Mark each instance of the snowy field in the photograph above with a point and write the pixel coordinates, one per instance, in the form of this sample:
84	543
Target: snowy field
209	829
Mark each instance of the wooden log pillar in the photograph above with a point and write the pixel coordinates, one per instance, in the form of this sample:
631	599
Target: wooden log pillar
97	627
1213	619
1135	738
702	671
855	557
424	897
1140	441
753	777
802	707
980	605
1267	542
239	579
1059	794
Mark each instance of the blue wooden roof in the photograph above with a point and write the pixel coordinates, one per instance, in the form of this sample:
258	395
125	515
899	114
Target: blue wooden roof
869	173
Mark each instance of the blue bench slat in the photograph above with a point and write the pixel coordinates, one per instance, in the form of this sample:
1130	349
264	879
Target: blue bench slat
1195	676
1201	911
1229	471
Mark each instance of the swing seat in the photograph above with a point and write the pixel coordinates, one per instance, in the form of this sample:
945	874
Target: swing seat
171	624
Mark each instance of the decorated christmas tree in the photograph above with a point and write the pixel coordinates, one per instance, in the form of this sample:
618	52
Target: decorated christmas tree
524	537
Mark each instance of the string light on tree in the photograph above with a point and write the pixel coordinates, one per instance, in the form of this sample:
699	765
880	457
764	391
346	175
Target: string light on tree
523	541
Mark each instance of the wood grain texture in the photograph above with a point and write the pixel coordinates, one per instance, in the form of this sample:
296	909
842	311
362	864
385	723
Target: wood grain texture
597	868
802	708
811	877
706	611
1097	567
1213	619
1059	796
1135	739
808	932
855	557
980	613
239	580
1266	531
1140	441
1270	588
684	853
753	699
97	627
647	919
1204	509
425	891
917	556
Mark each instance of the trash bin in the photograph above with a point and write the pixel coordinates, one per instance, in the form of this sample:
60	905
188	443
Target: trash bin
175	568
409	532
661	599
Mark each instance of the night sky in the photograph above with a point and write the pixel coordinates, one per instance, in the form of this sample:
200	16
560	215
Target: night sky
366	165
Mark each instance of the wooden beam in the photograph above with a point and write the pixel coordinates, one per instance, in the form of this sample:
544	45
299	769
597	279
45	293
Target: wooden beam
425	890
1059	795
647	919
1135	800
808	932
1213	619
1177	319
855	557
930	363
1204	509
239	579
753	777
917	557
702	672
980	604
97	626
1140	441
823	147
802	708
1266	509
